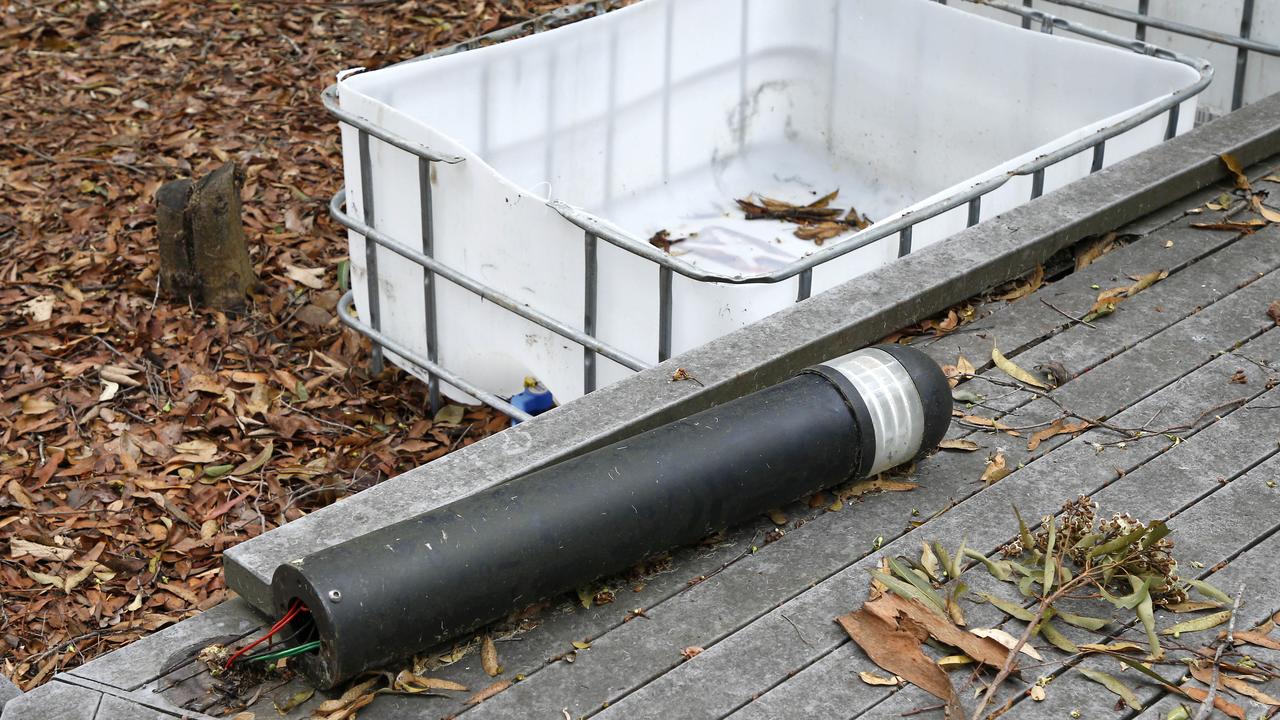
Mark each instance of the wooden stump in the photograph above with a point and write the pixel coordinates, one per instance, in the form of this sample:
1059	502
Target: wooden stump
203	255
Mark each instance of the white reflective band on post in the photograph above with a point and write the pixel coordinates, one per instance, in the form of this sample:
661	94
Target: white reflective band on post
897	415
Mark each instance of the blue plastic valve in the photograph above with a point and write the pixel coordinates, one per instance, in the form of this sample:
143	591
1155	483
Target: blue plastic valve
534	399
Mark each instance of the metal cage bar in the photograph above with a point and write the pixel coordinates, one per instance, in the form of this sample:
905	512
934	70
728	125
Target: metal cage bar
591	271
376	237
429	279
348	318
370	248
594	229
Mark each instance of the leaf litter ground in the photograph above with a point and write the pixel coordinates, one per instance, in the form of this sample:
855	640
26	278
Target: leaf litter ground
140	439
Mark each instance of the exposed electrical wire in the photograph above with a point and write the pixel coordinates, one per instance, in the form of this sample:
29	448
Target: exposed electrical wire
285	653
277	627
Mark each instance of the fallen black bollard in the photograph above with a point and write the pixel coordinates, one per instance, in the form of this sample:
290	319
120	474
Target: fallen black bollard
395	591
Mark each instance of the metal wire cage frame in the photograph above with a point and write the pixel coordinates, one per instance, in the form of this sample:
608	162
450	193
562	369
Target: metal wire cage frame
596	230
1142	19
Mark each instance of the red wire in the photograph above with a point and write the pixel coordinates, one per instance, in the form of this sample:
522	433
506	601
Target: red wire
277	627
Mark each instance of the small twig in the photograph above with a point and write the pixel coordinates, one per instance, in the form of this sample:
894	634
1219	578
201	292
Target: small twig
1067	315
922	710
1206	707
797	629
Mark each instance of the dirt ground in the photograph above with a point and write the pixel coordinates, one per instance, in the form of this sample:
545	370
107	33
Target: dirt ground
140	437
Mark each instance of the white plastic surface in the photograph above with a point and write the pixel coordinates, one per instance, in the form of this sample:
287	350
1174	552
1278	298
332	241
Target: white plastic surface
659	115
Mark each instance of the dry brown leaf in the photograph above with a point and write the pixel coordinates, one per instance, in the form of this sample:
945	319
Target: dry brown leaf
1273	311
489	657
22	548
311	277
989	423
79	576
1199	694
1113	647
1142	282
996	469
119	374
898	651
1036	693
45	578
1057	427
37	406
1247	227
871	678
961	445
1253	637
895	609
348	697
1008	641
1202	670
1267	213
20	495
1089	251
1237	172
1012	370
1030	283
488	692
865	487
407	681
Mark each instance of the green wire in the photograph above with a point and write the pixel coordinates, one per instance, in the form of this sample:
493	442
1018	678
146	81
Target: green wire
289	652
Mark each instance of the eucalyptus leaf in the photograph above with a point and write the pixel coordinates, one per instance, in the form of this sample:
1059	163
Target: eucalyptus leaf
944	558
1049	632
953	562
1026	586
929	561
1210	591
1113	684
906	590
1023	570
1024	534
1000	569
1080	621
1008	608
1157	531
1130	601
1050	562
1142	668
920	584
1087	541
1148	618
1118	544
1198	624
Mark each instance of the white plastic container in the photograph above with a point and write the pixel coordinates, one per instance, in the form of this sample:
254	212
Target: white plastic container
659	115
